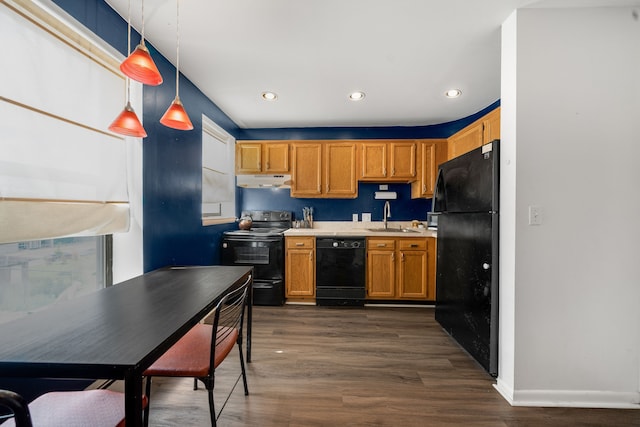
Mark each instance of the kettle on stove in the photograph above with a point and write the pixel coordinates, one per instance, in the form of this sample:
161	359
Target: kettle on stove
245	222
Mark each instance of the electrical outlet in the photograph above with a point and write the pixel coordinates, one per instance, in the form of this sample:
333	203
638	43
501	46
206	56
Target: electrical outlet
354	217
366	216
535	215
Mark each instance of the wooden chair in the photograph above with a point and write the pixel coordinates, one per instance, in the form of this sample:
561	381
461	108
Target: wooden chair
204	347
95	408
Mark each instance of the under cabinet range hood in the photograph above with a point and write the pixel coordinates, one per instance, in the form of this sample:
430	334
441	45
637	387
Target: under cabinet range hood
264	181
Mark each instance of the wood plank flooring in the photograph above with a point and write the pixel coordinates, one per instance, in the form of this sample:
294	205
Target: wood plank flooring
372	366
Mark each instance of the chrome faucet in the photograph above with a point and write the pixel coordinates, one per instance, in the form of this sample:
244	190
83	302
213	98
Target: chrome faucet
386	213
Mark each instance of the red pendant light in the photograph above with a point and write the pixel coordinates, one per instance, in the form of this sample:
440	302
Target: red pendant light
176	116
127	123
139	65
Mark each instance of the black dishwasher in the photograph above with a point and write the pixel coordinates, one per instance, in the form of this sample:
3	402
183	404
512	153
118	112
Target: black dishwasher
340	271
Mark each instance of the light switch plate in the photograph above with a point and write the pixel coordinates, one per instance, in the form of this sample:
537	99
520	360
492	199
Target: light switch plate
366	216
354	217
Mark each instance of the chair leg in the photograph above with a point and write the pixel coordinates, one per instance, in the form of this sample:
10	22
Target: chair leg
244	373
212	409
146	410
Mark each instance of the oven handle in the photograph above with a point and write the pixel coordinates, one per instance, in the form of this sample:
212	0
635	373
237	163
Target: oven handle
253	239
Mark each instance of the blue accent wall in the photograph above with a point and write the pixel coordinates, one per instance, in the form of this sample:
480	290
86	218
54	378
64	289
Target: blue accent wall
402	209
173	233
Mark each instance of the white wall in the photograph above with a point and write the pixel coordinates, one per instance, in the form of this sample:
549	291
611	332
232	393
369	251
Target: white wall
570	291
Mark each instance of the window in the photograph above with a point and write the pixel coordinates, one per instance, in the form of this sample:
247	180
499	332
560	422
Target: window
218	179
39	273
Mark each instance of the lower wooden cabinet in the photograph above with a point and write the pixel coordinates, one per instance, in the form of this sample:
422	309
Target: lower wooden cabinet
401	268
300	268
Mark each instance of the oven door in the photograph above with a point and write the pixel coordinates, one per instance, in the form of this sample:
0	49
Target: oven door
265	254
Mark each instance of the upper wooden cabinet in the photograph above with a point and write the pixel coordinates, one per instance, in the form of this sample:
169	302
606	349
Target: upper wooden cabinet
431	152
340	170
262	157
482	131
323	169
387	161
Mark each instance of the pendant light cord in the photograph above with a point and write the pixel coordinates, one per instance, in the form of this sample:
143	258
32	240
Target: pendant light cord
177	49
127	80
142	35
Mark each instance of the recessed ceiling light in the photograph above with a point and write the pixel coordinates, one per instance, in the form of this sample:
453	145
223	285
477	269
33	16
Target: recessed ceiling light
356	96
269	96
453	93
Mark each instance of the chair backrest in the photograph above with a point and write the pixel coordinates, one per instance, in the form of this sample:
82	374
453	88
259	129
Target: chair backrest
228	319
18	406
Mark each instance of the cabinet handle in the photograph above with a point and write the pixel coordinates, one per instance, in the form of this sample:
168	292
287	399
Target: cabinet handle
310	256
413	245
384	171
299	244
319	189
393	172
268	165
402	257
424	188
382	245
393	256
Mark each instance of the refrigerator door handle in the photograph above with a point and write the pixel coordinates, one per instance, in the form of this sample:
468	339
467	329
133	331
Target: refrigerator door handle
439	202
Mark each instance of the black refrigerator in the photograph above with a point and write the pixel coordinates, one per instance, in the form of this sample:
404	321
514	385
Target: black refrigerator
466	203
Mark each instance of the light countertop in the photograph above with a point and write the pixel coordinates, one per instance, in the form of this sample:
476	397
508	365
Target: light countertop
348	228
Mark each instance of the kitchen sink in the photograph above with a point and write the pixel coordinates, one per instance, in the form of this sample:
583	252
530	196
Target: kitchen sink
393	230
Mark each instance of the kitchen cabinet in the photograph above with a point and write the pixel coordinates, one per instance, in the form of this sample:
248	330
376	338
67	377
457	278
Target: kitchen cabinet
300	268
431	152
324	169
401	268
382	161
482	131
262	157
381	268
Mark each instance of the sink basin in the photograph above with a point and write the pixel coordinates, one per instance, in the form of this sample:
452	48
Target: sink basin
393	230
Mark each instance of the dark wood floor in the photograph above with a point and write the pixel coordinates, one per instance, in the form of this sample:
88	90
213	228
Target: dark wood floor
373	366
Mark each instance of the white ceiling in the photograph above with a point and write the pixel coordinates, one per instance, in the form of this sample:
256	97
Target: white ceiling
404	54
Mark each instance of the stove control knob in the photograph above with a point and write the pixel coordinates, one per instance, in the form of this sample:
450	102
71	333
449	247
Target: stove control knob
224	245
335	244
355	244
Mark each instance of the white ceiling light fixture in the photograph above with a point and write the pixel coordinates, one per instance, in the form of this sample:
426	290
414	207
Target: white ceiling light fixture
269	96
357	96
453	93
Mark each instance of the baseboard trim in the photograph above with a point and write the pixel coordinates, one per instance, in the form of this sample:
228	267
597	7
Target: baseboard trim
569	398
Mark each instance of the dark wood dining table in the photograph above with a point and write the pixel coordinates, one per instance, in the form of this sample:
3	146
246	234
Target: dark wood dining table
119	331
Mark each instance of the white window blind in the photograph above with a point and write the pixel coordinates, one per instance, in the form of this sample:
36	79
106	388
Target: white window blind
61	172
218	161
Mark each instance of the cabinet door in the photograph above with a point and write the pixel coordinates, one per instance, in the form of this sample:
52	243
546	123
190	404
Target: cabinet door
374	160
466	140
381	274
340	170
412	277
300	273
430	155
248	158
492	126
403	160
276	158
306	173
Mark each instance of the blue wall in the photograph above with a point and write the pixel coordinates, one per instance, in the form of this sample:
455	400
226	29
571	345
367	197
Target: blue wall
402	209
173	233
